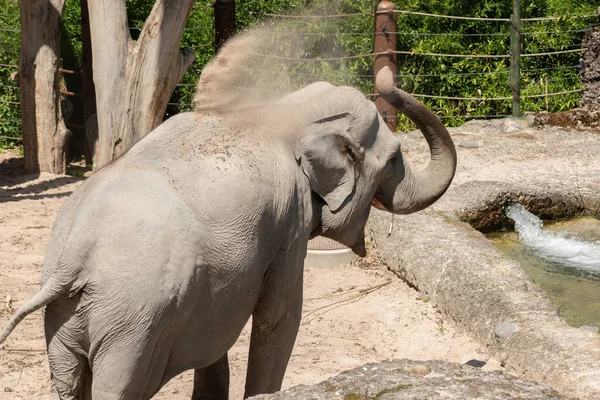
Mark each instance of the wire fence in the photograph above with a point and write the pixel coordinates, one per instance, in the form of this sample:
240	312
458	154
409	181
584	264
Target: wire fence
340	50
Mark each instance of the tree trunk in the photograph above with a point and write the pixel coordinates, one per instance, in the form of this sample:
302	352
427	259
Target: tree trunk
134	79
225	25
45	135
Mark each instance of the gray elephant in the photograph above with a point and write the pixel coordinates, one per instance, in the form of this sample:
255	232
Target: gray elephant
156	262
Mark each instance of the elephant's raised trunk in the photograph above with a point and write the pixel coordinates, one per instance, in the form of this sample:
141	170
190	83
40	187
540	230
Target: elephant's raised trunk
413	191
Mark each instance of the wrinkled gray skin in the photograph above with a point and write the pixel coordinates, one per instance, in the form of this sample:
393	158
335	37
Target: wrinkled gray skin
157	261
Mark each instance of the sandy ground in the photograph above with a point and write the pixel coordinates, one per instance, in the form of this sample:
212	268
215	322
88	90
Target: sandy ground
353	314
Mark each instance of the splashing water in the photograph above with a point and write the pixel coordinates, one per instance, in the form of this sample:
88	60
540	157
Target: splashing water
555	247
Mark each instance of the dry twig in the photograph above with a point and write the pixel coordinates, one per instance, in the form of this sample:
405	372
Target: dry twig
362	293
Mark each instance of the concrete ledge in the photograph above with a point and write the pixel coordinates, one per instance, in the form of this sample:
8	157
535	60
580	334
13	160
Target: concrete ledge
487	294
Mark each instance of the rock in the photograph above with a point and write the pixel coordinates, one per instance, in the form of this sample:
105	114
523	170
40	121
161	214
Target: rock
478	125
419	369
405	379
587	328
476	363
469	144
578	118
512	125
504	330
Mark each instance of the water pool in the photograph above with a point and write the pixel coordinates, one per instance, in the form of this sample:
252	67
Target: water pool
563	258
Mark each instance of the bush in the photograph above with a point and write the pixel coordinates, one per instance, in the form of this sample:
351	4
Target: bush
10	113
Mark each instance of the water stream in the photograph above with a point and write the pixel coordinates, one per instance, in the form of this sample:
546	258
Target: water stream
562	258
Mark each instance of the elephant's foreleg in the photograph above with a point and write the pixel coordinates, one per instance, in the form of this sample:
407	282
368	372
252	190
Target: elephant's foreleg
275	323
212	382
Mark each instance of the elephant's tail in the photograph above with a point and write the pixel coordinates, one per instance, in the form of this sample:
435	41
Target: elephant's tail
48	293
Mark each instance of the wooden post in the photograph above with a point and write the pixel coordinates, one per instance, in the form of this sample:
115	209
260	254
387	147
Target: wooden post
45	135
225	22
515	57
385	42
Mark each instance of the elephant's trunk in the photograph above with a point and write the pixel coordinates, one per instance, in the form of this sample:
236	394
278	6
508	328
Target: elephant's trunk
413	191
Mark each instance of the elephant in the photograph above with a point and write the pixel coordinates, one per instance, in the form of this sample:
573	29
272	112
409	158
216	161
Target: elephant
157	261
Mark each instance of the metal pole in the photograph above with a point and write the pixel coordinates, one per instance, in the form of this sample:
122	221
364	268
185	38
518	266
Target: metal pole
515	57
225	23
385	42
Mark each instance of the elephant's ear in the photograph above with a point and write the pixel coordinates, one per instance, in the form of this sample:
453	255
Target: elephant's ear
330	159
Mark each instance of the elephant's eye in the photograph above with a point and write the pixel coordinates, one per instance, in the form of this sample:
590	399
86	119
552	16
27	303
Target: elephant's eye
394	157
393	160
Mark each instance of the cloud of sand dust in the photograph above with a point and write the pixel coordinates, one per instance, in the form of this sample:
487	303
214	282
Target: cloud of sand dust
240	75
262	64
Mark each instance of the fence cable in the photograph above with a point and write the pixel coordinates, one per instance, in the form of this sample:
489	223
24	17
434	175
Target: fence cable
414	53
431	75
553	32
294	33
551	53
318	59
473	116
446	16
535	96
190	28
428	15
563	17
446	34
428	96
284	16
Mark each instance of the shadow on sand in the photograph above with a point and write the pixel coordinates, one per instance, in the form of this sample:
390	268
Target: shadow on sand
17	184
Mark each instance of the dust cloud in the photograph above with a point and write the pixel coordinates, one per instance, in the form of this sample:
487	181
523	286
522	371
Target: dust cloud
262	64
241	74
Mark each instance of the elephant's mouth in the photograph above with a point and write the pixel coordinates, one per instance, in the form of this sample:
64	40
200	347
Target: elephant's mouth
359	248
377	204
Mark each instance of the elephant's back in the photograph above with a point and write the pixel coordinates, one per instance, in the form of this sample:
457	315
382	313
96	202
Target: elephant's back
193	136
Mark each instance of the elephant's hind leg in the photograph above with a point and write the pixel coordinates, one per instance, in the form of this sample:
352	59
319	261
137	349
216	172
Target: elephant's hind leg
129	366
212	382
70	373
122	374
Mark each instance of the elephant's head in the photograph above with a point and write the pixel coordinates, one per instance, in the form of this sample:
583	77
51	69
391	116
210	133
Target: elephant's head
352	160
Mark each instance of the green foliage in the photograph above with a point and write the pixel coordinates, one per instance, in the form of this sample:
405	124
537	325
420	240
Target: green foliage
10	113
316	41
457	75
70	36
